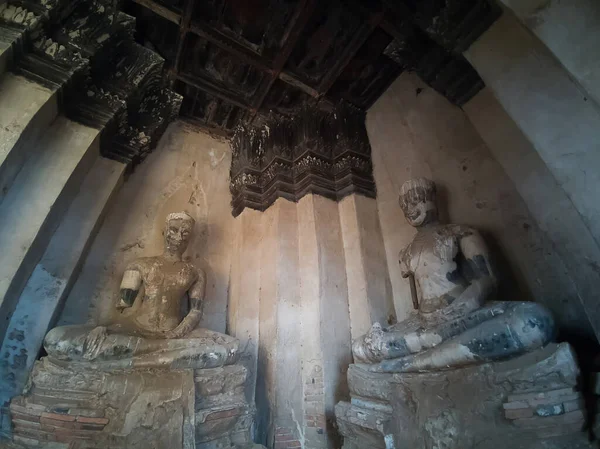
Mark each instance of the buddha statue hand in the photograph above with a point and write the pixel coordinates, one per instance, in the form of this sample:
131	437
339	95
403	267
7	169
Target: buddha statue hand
93	342
188	324
369	347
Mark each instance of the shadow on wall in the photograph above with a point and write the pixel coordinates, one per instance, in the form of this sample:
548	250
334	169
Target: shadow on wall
187	172
510	287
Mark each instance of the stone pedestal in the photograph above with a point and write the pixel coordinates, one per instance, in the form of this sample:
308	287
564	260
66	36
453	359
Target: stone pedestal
187	409
527	402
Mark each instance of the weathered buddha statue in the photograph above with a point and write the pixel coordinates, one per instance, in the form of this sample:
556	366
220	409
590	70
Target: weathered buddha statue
453	286
148	329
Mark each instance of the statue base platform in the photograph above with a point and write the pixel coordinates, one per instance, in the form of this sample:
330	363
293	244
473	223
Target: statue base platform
528	402
187	409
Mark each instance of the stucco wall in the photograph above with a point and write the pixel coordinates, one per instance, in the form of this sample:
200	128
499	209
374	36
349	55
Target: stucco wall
188	171
571	30
551	109
562	124
421	134
304	277
576	252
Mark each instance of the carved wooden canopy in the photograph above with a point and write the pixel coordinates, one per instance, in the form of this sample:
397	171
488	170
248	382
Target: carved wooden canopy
316	151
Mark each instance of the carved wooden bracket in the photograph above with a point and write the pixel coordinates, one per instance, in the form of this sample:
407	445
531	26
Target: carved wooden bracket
84	49
322	152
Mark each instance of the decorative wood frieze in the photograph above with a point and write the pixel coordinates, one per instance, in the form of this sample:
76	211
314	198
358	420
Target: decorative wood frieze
317	151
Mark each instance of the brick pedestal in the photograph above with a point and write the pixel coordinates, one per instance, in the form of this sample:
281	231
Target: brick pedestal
529	402
187	409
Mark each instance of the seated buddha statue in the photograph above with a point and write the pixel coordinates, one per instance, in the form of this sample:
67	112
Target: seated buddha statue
148	329
458	322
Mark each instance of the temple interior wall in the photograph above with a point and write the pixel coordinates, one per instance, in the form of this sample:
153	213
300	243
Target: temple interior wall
298	281
553	107
414	131
489	176
570	30
304	278
188	171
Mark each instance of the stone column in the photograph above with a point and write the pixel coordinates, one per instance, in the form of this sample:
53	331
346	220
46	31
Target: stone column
279	386
312	266
326	341
370	294
289	294
244	291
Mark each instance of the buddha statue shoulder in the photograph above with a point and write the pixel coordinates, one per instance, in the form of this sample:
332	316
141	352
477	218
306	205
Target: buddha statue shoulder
148	329
458	320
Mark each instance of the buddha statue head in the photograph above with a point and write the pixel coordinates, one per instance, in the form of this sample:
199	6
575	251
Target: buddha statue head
418	202
178	232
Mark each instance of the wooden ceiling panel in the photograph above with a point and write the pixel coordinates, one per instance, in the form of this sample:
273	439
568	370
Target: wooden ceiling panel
285	99
157	32
240	60
258	25
208	110
327	35
175	5
206	61
368	74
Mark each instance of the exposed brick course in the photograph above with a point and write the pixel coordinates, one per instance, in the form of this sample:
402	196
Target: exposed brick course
88	420
25	417
59	417
519	413
39	427
49	423
223	414
285	439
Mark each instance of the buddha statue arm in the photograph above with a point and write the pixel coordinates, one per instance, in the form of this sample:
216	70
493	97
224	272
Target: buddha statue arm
130	286
191	320
483	283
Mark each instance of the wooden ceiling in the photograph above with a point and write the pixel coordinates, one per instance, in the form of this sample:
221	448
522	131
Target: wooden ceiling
240	60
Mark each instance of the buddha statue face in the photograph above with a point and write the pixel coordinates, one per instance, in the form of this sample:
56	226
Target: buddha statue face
417	200
178	232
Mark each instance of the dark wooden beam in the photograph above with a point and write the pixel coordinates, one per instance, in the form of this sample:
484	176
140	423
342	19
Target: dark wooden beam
397	9
231	46
212	110
397	31
188	9
208	33
303	12
212	130
162	11
349	52
212	89
293	80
